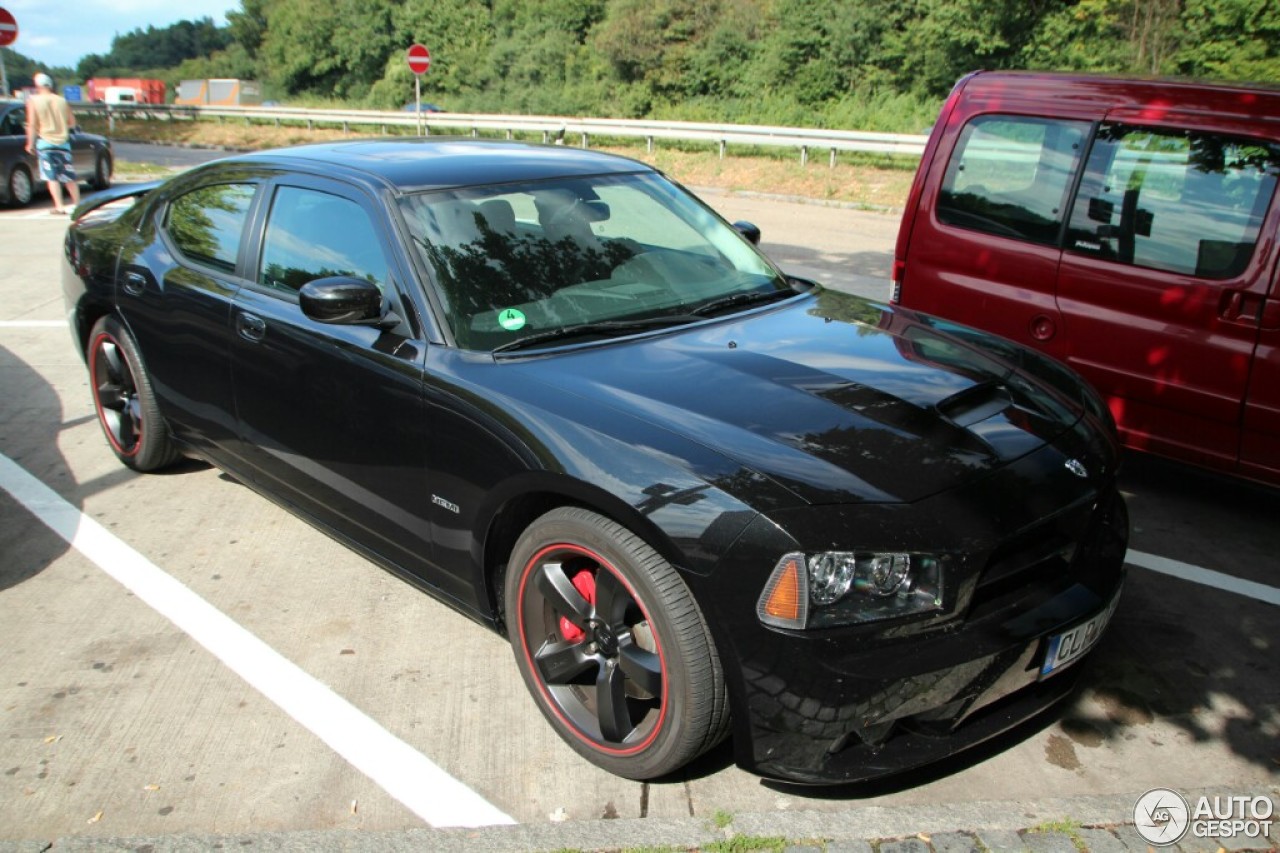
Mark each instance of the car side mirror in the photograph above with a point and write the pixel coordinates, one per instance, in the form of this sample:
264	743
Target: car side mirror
342	300
748	230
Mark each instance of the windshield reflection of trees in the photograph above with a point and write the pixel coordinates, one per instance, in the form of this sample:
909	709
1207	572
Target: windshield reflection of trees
499	270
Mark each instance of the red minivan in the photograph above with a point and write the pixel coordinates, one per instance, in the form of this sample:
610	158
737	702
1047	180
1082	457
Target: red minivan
1126	227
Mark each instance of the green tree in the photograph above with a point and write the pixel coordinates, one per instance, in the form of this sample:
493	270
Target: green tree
653	42
876	64
1092	35
139	51
539	61
330	48
232	62
459	34
941	40
19	69
1229	40
248	25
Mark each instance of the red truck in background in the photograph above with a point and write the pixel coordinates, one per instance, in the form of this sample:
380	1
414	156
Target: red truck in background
114	90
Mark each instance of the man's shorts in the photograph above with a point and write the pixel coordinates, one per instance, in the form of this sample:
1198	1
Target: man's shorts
55	164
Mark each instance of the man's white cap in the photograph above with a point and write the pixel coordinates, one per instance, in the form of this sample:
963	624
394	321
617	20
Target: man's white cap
43	79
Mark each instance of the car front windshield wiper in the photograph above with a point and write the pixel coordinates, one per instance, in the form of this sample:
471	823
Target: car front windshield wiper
734	300
602	327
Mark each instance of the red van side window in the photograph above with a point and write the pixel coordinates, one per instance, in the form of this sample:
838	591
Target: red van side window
1180	201
1010	175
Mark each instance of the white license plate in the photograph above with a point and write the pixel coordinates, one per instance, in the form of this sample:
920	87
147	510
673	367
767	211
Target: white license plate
1069	646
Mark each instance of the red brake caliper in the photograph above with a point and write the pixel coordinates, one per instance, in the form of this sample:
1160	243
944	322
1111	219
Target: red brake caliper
585	583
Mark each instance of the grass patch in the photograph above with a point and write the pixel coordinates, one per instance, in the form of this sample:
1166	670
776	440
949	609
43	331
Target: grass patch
873	181
721	818
1067	826
744	843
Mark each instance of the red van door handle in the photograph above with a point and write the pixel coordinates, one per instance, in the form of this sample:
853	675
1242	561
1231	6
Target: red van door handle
1238	306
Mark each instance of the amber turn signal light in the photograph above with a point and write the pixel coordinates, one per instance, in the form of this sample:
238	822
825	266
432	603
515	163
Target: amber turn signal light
785	600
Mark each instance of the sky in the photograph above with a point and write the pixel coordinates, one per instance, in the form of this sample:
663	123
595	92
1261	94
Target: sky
58	33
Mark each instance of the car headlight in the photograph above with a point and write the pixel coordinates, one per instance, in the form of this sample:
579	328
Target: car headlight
848	587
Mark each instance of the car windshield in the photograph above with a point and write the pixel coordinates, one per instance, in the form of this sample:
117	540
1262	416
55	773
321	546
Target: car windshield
581	256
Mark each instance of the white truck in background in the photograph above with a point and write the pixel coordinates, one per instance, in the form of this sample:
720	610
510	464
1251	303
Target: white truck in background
120	95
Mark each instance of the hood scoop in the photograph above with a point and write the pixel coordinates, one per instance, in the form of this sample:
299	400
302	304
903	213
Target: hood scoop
975	404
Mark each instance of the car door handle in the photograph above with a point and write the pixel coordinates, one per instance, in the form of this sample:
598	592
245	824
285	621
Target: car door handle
251	328
1238	306
135	283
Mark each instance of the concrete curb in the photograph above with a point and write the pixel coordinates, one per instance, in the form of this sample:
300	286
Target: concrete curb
1051	825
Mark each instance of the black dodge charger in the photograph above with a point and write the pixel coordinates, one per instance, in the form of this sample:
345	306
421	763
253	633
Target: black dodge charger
553	389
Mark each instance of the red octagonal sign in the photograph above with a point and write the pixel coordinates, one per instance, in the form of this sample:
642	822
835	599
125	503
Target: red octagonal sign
419	59
8	28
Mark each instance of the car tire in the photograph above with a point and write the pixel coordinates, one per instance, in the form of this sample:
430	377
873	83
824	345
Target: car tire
21	188
124	401
101	172
612	646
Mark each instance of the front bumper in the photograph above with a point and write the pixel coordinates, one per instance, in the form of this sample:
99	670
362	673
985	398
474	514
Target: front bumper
895	725
861	702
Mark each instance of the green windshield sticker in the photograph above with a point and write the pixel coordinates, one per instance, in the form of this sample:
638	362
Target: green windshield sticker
512	319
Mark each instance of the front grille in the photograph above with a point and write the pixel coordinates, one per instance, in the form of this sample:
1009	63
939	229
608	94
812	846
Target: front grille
1039	555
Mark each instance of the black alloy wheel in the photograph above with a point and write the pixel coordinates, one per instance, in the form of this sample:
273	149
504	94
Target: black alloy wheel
612	646
124	401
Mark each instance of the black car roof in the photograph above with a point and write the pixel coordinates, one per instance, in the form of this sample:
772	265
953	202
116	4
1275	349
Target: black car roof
448	162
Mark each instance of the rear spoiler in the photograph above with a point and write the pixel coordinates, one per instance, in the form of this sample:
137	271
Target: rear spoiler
116	193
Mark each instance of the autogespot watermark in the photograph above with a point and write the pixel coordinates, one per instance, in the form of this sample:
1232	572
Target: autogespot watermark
1164	817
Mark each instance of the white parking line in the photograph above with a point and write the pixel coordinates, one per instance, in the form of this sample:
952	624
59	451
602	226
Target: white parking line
1205	577
402	771
33	324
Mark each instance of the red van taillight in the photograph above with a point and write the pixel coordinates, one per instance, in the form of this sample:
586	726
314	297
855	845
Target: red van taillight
899	273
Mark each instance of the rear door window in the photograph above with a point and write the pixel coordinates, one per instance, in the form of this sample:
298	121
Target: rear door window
1010	175
1175	200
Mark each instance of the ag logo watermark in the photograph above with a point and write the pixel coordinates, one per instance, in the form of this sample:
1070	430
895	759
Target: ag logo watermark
1163	817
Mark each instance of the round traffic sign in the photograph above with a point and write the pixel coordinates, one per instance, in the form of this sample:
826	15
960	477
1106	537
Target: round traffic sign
419	59
8	28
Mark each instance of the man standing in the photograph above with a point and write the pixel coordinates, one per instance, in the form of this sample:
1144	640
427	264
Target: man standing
49	123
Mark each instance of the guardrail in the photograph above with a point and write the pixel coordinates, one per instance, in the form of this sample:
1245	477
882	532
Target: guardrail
560	128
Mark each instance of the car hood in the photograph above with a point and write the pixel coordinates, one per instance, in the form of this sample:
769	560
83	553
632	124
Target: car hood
832	397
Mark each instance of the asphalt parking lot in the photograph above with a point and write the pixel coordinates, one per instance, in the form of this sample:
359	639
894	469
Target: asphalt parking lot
117	721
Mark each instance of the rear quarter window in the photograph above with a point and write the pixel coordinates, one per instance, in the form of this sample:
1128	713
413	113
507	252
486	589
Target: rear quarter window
1010	175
